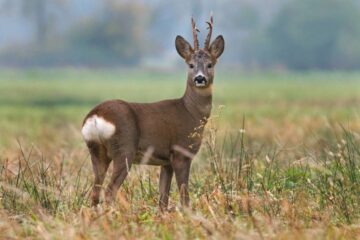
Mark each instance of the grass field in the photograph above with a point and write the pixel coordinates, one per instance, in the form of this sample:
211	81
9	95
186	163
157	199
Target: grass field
280	158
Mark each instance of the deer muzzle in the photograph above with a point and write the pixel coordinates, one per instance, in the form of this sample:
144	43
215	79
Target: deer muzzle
200	81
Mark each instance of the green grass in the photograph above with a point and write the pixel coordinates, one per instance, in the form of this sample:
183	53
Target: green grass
293	172
71	93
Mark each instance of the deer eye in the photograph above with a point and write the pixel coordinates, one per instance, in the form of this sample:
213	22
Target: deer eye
191	65
209	65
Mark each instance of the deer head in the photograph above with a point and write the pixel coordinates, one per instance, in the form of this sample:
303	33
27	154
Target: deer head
201	62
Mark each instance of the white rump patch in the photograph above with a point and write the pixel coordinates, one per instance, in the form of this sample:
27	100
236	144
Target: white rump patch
97	129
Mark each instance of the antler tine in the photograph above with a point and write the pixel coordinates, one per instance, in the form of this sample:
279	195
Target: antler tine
195	31
210	27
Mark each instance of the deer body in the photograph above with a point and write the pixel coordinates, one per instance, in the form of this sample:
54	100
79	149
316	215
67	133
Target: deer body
124	132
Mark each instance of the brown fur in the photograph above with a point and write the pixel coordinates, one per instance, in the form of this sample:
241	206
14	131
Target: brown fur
166	127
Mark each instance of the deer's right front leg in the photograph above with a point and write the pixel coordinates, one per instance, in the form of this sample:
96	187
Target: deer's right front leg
166	174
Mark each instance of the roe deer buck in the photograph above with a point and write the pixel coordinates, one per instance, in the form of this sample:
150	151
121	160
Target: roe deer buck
123	132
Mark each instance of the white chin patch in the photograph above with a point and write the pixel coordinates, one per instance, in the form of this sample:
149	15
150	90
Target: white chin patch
200	84
97	129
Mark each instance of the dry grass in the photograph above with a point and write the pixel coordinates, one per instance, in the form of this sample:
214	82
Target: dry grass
276	174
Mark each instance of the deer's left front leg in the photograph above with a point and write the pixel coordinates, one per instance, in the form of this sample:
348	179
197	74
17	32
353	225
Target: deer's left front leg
181	165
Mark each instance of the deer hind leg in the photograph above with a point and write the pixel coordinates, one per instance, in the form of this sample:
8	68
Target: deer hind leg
181	166
166	174
122	161
100	162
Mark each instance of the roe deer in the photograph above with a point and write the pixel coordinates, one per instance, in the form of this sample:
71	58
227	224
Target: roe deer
124	132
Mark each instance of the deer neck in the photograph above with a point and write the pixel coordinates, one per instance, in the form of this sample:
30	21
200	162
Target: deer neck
198	101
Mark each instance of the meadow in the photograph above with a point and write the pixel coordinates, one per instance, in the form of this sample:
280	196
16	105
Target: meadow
280	158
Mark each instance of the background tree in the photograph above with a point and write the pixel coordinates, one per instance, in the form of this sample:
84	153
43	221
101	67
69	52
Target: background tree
316	34
38	12
117	36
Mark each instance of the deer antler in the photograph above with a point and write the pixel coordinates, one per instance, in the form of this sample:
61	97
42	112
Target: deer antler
208	38
195	31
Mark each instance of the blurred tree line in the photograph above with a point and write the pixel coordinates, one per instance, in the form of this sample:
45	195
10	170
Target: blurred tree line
308	34
295	34
114	37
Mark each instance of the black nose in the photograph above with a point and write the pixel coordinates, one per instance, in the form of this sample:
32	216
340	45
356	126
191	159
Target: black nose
200	79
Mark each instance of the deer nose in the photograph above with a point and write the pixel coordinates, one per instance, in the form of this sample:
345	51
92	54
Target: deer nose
200	78
200	81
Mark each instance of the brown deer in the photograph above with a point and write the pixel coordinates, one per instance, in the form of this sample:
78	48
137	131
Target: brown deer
124	132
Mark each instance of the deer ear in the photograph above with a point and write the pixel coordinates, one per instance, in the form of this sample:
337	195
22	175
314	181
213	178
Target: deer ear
217	47
183	47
